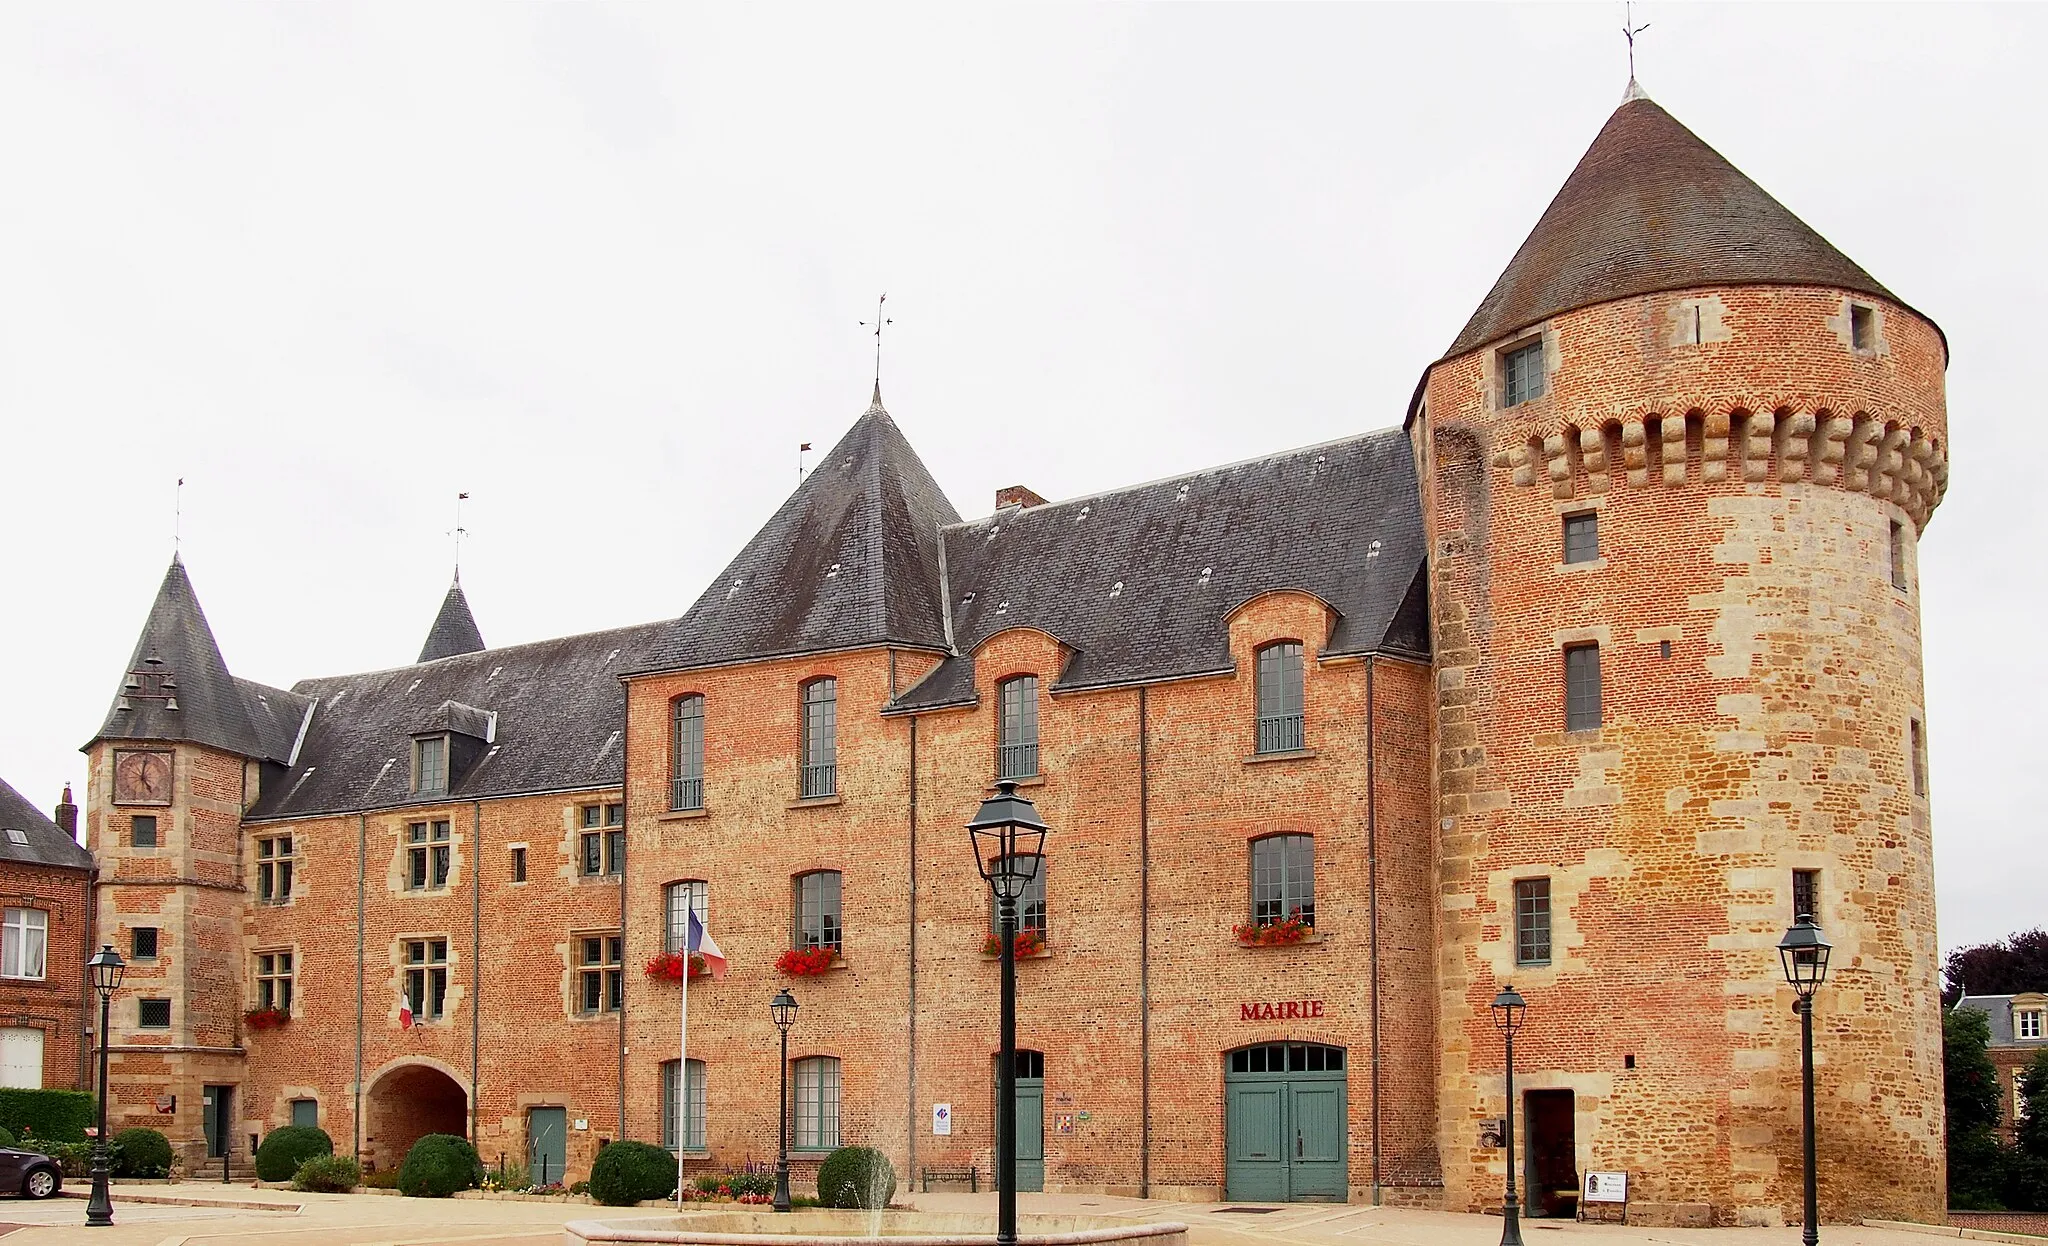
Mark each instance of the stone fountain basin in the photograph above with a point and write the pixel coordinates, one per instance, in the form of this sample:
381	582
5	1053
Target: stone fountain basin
819	1227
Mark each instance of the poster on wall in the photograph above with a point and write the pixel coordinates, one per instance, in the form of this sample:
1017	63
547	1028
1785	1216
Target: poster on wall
942	1119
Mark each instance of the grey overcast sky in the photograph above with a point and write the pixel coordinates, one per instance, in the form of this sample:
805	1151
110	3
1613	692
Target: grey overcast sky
601	266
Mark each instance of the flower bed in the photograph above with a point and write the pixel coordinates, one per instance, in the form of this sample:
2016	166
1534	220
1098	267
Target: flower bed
668	967
806	962
265	1018
1027	943
1290	929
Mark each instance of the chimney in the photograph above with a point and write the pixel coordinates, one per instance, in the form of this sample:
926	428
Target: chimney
1017	495
67	814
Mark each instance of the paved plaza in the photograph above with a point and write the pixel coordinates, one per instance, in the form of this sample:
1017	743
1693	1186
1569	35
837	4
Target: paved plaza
240	1216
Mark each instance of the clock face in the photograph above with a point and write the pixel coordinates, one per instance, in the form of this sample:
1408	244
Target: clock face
142	778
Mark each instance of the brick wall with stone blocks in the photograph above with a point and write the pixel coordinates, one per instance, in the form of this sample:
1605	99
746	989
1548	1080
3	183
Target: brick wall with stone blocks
1760	676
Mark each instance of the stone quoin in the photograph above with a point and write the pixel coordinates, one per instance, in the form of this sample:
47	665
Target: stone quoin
1582	677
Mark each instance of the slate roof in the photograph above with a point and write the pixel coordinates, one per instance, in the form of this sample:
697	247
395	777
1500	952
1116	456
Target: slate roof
1651	207
1138	582
214	708
47	843
455	630
560	712
850	560
1999	1009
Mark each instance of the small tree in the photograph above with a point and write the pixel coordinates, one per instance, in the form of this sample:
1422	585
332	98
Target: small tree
1976	1162
2026	1180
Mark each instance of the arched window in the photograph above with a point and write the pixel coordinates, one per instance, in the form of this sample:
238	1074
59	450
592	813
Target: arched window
817	1103
692	1134
686	781
679	901
1017	727
820	743
1283	879
817	910
1279	681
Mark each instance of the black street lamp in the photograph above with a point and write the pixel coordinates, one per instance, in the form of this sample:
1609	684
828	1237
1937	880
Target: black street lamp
105	969
1805	954
1508	1008
783	1009
1009	843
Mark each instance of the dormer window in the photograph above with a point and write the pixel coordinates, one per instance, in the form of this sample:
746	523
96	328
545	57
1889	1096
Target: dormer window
430	764
2029	1023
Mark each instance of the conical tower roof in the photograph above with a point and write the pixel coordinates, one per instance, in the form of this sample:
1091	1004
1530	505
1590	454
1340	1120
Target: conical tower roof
177	646
455	630
1651	207
850	560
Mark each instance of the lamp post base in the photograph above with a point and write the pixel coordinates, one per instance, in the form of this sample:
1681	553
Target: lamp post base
99	1209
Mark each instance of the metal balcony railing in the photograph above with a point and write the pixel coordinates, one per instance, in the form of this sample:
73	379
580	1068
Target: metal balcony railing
1280	733
1017	761
818	779
686	794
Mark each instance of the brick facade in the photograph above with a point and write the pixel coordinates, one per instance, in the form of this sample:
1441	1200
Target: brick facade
55	1004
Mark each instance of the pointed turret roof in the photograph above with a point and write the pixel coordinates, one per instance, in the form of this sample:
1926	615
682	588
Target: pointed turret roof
850	560
1651	207
211	706
454	629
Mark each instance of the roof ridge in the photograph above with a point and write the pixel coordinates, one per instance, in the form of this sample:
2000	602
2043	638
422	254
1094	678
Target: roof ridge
479	654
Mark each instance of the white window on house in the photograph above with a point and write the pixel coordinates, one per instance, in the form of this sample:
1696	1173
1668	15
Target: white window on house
273	869
817	1103
274	980
2028	1023
24	941
21	1057
600	974
601	846
682	899
427	855
426	977
692	1138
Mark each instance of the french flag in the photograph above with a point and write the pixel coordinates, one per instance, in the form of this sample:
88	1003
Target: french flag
705	946
404	1010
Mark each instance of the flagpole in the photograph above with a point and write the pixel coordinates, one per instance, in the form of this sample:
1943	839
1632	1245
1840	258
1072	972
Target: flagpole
683	1066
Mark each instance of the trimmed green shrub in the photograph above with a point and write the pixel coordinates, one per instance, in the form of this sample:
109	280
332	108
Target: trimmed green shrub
737	1183
382	1179
279	1156
75	1158
626	1172
856	1176
438	1165
328	1174
579	1187
144	1153
47	1115
6	1139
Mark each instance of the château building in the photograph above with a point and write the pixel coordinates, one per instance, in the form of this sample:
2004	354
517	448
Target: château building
1584	673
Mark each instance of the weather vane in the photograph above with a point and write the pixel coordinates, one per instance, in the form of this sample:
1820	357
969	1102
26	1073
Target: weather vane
878	322
178	519
458	534
1629	31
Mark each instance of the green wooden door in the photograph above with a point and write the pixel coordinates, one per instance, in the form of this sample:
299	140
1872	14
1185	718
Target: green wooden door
547	1143
1285	1124
306	1113
215	1116
1031	1133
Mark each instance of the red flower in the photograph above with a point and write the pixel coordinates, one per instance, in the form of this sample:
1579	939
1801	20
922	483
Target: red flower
668	967
265	1018
1029	942
806	962
1291	929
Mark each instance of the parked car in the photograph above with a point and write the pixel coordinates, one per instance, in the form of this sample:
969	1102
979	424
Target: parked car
32	1173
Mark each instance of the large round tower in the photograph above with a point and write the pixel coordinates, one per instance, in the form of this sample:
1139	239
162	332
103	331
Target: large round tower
1675	468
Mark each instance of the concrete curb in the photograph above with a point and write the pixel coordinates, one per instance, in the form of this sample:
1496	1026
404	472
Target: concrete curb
170	1200
1953	1230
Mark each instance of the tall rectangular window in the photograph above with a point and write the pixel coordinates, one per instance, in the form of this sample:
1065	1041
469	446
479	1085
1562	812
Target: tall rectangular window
519	863
687	779
602	844
1031	910
1280	698
1017	728
427	856
1896	553
1283	879
426	977
1862	326
273	869
1582	688
692	1133
600	975
274	980
1582	537
24	941
1917	741
682	899
142	831
817	910
153	1014
1522	373
1805	893
817	1103
430	764
1532	921
820	776
142	943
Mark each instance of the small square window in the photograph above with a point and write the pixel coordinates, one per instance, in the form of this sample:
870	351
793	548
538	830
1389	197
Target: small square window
1582	537
153	1014
1522	374
142	831
1862	326
142	943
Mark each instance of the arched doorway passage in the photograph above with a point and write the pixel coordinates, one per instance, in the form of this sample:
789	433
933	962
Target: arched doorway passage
406	1104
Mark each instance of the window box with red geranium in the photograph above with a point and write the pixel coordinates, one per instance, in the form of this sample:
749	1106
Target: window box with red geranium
1030	945
265	1018
668	967
1293	928
807	962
